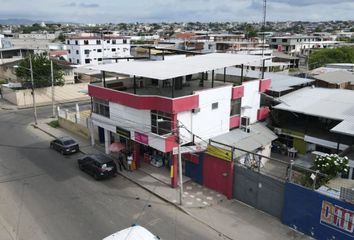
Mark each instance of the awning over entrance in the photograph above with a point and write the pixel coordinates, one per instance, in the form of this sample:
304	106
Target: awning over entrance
116	147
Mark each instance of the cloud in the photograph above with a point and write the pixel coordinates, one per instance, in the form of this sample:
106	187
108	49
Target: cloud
72	4
310	2
89	5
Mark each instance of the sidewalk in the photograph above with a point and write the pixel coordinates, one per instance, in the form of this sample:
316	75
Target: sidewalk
230	218
5	105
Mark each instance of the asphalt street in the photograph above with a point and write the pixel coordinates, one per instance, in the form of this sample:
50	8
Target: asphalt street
43	195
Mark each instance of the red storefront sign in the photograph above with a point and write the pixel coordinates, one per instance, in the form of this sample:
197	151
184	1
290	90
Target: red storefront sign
141	138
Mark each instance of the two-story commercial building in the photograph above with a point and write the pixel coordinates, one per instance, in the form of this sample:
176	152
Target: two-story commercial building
152	105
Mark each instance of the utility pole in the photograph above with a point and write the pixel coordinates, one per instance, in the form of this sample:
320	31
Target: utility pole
33	96
52	76
263	37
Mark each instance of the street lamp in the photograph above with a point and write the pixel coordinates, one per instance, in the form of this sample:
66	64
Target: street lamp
32	83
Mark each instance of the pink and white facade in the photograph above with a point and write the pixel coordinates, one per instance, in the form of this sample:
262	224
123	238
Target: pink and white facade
152	120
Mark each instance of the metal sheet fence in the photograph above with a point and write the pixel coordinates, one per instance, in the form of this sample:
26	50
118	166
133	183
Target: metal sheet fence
258	190
317	215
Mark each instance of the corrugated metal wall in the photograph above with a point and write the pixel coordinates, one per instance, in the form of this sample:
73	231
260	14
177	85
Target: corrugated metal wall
218	175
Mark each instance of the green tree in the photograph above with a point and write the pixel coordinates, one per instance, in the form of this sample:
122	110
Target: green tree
41	72
331	55
318	29
61	37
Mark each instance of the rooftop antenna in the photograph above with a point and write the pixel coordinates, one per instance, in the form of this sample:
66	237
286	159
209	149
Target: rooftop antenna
263	36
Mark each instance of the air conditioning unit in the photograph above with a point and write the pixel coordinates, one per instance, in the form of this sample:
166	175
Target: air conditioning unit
196	110
245	122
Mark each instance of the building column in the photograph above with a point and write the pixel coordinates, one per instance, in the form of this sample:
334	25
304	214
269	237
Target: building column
107	141
92	132
174	172
136	156
350	173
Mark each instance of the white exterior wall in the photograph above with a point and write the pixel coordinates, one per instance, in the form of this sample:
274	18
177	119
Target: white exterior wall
49	36
1	37
251	100
135	120
106	46
208	122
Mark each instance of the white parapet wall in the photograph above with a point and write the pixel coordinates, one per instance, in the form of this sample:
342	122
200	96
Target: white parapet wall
66	93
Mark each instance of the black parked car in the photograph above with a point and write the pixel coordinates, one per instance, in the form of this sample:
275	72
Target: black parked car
65	145
98	166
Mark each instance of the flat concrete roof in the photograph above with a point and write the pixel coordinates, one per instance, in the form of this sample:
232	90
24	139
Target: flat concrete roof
178	67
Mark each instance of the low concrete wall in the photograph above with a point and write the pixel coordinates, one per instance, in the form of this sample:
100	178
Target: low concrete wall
66	93
74	128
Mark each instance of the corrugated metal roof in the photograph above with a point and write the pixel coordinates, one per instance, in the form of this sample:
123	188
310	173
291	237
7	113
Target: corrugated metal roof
162	70
335	104
328	103
345	127
259	136
336	77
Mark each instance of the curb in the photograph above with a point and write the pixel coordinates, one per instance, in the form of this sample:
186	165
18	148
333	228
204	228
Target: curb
182	209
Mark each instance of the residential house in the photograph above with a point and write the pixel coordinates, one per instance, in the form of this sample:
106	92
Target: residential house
97	49
299	44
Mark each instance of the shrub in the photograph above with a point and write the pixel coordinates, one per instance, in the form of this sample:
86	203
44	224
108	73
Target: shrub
54	124
331	164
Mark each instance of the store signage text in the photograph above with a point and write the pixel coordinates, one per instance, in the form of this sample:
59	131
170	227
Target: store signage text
337	218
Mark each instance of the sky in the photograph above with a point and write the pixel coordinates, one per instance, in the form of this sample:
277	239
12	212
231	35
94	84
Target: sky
115	11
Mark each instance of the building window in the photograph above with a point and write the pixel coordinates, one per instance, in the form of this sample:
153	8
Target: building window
87	51
113	49
124	41
86	42
76	42
284	40
94	49
101	107
160	122
78	61
87	60
235	107
108	41
114	42
99	50
98	41
69	59
274	40
69	51
99	59
77	51
215	105
68	42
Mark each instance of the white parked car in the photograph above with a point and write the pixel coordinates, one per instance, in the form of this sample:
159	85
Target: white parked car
133	233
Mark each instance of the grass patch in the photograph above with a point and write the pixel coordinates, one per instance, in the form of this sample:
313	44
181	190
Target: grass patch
54	124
